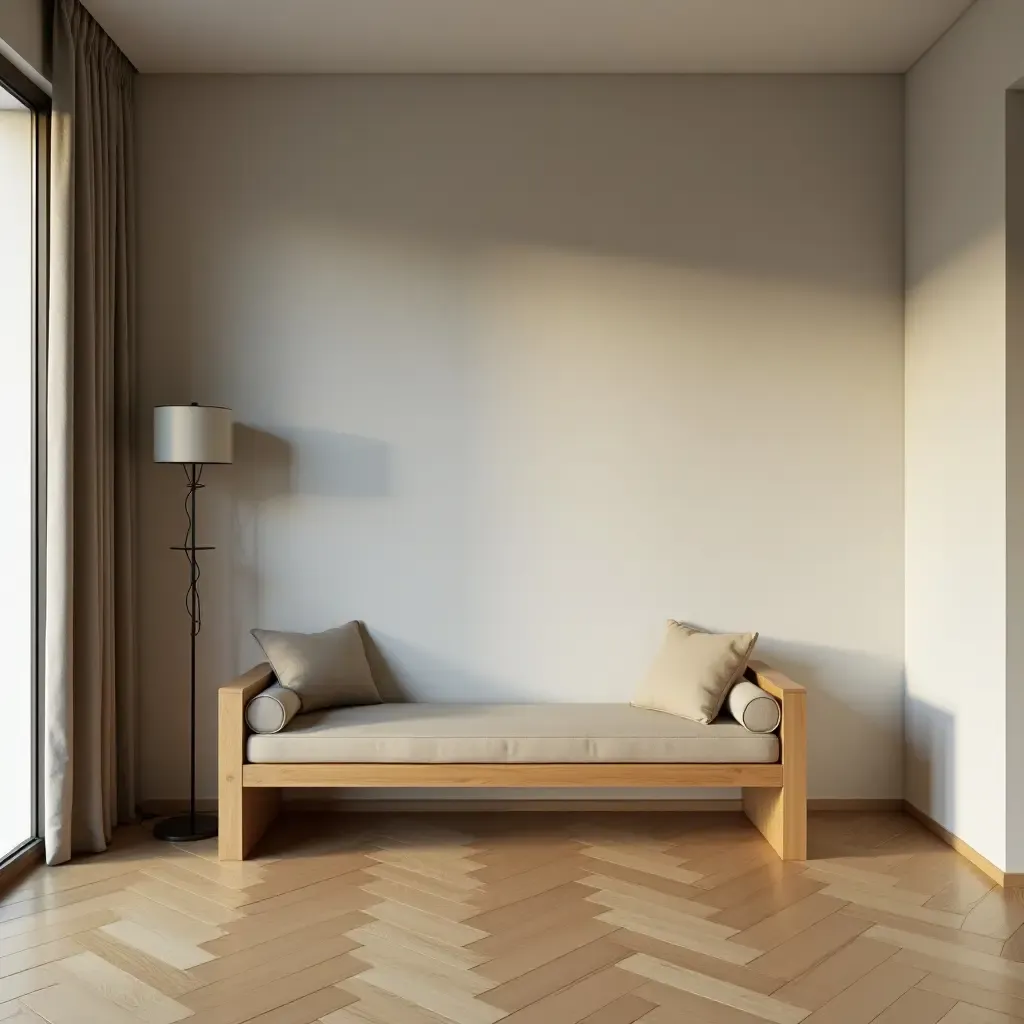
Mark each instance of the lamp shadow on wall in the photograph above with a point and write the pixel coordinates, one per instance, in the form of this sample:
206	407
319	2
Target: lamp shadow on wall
297	461
289	463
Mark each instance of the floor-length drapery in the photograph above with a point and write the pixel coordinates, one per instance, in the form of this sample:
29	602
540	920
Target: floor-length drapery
89	733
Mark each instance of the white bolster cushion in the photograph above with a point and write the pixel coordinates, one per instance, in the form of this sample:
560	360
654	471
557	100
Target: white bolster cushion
754	709
273	709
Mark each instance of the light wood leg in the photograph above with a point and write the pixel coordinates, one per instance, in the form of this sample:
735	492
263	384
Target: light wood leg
244	819
244	814
780	814
780	818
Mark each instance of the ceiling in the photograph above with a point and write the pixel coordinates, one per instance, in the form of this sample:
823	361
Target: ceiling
294	36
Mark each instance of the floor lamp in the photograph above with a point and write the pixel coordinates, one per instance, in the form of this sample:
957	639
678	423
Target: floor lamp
192	436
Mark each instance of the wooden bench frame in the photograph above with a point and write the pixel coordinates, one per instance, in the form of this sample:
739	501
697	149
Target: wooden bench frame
774	795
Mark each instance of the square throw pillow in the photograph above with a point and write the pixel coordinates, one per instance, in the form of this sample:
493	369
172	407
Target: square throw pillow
694	671
326	670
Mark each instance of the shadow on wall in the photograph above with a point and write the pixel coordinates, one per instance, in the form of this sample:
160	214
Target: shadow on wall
294	462
716	139
931	763
836	725
686	174
825	672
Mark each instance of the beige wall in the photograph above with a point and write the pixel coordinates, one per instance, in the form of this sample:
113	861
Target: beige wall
525	367
1014	477
965	668
25	34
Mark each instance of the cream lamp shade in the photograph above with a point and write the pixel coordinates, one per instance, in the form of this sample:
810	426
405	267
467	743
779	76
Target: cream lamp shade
192	434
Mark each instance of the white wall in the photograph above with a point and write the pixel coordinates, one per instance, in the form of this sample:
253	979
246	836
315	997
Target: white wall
1014	477
25	27
527	366
959	708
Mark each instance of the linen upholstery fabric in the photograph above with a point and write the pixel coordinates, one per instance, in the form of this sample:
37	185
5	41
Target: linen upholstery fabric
326	669
693	671
273	709
753	708
89	662
507	734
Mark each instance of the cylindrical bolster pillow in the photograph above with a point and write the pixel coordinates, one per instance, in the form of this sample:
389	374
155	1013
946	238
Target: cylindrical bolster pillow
754	709
273	709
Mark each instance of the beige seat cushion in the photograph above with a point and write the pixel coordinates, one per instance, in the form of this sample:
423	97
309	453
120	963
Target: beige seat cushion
508	733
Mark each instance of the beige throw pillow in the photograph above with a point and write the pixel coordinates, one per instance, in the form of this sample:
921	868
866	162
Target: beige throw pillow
694	671
326	670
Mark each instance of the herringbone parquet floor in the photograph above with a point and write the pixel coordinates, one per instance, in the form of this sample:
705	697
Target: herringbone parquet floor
528	919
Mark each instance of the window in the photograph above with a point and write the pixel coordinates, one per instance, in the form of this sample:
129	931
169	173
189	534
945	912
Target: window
22	188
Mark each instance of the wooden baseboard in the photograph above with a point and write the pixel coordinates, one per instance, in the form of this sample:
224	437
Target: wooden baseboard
19	863
1010	880
165	808
489	806
854	804
161	808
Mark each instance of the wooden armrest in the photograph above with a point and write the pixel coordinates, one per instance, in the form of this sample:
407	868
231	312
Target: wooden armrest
772	681
231	701
244	814
247	686
781	815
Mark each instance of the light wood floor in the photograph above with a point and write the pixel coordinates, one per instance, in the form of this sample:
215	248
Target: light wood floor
529	919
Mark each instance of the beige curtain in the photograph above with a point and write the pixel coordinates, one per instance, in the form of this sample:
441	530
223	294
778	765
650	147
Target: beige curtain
89	667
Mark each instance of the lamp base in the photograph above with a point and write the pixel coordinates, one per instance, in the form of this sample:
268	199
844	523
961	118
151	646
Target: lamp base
186	828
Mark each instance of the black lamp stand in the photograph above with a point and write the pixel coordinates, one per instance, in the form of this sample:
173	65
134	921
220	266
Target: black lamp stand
186	828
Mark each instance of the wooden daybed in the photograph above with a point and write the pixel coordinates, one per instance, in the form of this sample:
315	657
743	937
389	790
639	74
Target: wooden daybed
774	794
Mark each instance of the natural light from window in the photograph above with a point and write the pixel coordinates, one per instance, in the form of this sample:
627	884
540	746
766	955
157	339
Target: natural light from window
17	264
